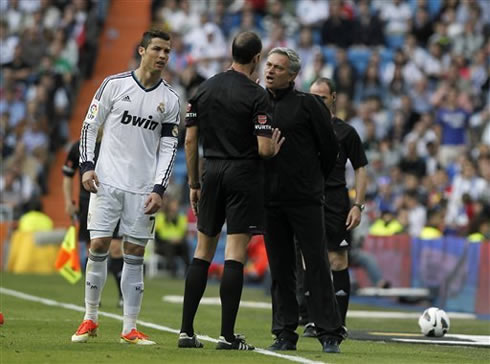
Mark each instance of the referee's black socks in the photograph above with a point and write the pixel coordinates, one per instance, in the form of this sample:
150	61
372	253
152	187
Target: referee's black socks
115	267
230	293
195	284
341	283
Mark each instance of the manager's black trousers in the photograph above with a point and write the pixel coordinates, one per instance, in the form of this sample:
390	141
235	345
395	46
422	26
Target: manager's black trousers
283	224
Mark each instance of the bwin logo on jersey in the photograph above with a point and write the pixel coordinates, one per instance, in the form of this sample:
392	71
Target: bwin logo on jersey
138	121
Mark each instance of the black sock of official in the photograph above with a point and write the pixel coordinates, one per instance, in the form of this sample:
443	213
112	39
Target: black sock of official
230	293
341	283
195	284
115	267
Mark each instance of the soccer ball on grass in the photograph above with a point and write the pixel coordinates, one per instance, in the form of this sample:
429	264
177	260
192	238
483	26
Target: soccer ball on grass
434	322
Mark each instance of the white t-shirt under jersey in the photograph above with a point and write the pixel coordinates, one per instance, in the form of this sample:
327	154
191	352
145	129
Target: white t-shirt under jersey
140	133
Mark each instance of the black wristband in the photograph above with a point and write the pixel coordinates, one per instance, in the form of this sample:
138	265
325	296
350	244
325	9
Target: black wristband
159	189
195	186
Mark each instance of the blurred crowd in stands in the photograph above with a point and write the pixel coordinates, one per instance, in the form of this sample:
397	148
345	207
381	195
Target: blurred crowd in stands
412	77
47	48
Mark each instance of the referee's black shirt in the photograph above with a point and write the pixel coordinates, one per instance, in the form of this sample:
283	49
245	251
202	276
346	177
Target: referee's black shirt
295	176
350	148
230	110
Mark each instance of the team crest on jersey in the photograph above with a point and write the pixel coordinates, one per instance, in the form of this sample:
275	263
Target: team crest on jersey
161	107
92	112
262	119
189	107
175	131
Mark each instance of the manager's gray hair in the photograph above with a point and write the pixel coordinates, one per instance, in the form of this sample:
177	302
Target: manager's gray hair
294	59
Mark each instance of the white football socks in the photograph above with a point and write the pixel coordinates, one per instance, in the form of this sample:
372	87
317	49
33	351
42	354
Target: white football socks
95	277
132	287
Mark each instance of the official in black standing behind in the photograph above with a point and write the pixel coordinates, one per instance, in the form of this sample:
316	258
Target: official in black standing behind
115	251
230	114
340	216
294	197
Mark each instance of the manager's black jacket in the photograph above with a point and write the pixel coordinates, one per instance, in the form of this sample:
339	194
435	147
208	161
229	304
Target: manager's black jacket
296	175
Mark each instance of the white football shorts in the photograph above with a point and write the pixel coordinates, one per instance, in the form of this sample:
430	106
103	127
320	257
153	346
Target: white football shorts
110	204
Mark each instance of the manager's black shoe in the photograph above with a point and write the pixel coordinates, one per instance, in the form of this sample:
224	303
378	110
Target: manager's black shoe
186	341
310	330
238	344
330	344
281	344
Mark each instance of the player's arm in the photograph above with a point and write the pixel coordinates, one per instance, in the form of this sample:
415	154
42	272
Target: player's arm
69	169
357	156
321	122
269	139
97	112
191	145
166	158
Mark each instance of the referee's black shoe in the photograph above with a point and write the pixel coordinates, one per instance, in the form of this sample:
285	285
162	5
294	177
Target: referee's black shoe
282	344
238	344
186	341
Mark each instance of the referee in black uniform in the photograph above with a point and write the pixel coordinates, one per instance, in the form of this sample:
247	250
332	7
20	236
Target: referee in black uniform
69	170
340	216
294	198
230	114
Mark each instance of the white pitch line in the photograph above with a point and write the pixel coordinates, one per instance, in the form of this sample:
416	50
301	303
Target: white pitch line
352	313
69	306
453	342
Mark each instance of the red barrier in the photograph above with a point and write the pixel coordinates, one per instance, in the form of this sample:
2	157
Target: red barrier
482	305
393	255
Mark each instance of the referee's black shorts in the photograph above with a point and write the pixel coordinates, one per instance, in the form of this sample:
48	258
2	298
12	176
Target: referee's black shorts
337	206
231	190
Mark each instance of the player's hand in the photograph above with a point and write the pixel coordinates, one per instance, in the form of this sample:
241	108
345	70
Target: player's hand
153	203
354	218
194	196
71	209
90	181
277	141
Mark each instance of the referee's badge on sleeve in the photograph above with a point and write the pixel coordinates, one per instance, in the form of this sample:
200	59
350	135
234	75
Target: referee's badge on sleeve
262	119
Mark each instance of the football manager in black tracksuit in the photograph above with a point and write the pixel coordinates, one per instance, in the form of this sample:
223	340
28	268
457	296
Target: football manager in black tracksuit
294	186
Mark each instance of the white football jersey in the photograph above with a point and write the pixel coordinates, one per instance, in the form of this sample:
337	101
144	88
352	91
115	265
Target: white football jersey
140	127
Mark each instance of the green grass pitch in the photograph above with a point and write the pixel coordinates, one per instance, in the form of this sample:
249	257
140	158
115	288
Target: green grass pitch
39	332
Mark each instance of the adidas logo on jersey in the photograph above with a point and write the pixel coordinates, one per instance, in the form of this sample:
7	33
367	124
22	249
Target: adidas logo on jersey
138	121
344	243
126	98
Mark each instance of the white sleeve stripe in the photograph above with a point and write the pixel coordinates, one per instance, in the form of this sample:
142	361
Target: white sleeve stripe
98	95
171	89
166	177
83	143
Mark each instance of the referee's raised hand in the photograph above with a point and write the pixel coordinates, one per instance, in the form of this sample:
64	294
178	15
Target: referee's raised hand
90	181
277	141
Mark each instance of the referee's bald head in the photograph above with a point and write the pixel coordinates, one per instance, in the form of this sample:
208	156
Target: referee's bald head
245	47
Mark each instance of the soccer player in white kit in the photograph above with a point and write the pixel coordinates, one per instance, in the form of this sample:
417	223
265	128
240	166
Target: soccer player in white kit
139	113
